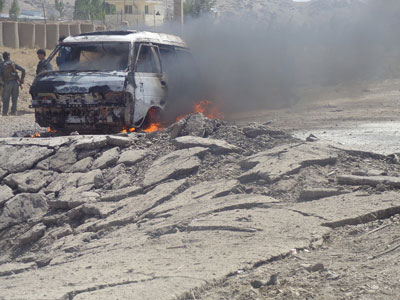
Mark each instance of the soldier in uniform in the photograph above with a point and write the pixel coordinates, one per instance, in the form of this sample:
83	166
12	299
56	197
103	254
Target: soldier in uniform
12	82
1	82
42	65
63	54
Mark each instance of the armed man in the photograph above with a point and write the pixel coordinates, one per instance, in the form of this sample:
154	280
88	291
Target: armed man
12	82
1	82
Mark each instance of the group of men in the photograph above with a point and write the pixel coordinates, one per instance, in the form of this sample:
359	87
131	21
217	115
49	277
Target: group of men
11	81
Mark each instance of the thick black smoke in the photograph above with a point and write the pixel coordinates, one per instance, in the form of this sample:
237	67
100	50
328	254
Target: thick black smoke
249	62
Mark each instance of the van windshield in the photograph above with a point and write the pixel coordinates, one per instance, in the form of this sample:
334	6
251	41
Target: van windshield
102	56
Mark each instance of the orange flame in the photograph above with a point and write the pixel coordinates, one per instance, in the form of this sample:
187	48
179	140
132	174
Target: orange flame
207	108
153	127
51	130
125	129
36	134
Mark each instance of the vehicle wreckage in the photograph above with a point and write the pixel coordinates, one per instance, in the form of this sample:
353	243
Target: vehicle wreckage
106	81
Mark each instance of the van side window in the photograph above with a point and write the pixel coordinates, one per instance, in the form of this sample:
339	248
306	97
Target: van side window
147	62
168	58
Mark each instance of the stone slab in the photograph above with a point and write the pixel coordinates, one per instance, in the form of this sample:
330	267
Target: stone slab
18	159
131	157
107	159
353	208
90	143
21	208
30	181
272	164
175	263
5	194
120	194
201	192
215	146
82	165
177	163
120	141
369	180
64	158
73	198
132	208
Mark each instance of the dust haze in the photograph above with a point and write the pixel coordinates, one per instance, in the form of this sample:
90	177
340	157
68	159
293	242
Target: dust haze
249	62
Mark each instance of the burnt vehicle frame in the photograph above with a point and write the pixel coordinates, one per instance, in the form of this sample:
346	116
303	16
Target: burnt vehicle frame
129	92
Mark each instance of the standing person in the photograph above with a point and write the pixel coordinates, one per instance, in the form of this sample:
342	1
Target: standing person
12	82
42	65
1	82
63	54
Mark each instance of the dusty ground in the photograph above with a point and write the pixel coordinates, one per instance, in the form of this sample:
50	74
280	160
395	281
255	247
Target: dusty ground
354	262
152	242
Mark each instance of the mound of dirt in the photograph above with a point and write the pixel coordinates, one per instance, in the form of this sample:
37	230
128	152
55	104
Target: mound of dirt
161	215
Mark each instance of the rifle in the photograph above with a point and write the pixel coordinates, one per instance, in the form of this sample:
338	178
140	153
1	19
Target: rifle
19	80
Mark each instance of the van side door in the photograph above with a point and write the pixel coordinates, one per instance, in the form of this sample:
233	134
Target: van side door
151	87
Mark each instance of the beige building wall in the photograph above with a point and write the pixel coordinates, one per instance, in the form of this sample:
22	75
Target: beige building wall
148	12
148	20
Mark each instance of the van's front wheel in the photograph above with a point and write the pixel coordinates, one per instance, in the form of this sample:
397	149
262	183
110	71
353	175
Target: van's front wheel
152	118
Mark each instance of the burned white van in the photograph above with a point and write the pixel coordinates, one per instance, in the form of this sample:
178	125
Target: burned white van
104	81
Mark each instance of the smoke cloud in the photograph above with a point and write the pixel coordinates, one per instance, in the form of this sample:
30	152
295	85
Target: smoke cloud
252	62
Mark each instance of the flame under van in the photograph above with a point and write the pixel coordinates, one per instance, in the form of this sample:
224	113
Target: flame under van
104	81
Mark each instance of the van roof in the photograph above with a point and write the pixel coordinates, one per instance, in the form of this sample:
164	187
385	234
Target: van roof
127	36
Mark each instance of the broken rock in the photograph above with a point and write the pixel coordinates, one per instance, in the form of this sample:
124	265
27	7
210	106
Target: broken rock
318	193
82	165
18	159
107	159
197	125
369	180
121	193
131	157
32	235
73	199
23	207
29	181
5	194
60	161
91	143
254	130
215	146
273	164
177	163
120	141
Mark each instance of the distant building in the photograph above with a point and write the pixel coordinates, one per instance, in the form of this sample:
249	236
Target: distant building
26	15
137	12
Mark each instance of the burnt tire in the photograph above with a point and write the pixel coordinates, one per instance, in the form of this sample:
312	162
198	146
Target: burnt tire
152	116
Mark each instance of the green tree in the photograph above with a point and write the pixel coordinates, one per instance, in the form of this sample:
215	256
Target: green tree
109	9
97	11
195	8
59	4
81	10
2	2
89	10
14	10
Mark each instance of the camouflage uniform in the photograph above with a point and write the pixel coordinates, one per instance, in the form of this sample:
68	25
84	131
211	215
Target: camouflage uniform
8	72
1	81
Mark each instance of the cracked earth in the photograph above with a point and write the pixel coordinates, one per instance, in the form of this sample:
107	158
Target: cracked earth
204	209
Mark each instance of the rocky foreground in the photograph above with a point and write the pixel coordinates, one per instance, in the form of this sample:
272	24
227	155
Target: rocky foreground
160	215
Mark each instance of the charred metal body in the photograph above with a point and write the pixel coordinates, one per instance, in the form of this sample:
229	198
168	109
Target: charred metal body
105	81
